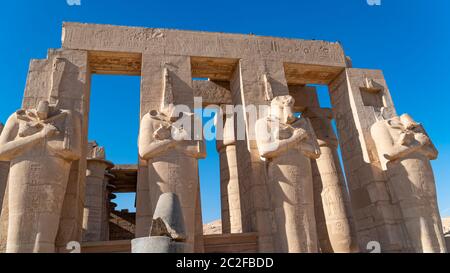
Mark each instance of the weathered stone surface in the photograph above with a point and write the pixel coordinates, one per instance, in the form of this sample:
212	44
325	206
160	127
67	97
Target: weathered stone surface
96	210
213	228
4	216
153	41
4	171
288	152
167	231
446	228
64	79
229	177
39	143
356	105
217	93
168	218
268	195
336	231
157	244
172	160
446	225
405	151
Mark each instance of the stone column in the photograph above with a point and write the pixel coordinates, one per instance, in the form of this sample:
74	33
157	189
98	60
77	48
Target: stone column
229	177
4	171
168	233
405	151
64	79
288	151
199	242
95	201
109	178
4	216
359	97
332	206
247	84
171	166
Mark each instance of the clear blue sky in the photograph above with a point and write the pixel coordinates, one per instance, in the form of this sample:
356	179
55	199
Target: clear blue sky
409	40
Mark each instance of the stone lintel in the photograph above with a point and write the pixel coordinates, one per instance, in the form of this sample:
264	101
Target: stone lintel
156	41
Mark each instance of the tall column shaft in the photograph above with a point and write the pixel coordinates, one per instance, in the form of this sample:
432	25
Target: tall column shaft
106	205
332	205
246	90
333	216
229	178
229	186
199	243
95	203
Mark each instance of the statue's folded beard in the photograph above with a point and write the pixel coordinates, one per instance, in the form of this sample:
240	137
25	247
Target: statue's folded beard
29	128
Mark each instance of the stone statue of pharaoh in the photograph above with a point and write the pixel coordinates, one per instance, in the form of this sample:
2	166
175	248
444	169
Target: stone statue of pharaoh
172	157
405	150
41	145
288	144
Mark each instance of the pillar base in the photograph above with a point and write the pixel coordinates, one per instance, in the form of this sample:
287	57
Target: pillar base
157	244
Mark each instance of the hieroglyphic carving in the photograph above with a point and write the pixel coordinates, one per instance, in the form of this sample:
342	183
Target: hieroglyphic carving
188	43
58	68
41	144
268	91
171	157
333	214
288	149
405	150
96	205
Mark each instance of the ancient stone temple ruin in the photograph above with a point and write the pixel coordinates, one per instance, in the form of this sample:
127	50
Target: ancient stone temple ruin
281	192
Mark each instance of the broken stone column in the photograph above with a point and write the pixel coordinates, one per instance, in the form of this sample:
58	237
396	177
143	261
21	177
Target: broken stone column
229	177
334	221
405	151
94	229
168	234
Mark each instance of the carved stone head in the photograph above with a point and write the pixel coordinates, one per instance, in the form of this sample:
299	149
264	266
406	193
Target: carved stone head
282	108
